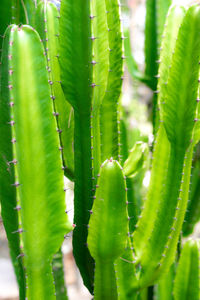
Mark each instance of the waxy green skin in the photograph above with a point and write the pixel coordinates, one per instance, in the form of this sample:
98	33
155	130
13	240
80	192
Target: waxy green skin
192	215
107	242
164	287
76	77
88	93
109	119
186	284
58	274
156	12
85	62
162	240
100	48
47	25
36	149
8	198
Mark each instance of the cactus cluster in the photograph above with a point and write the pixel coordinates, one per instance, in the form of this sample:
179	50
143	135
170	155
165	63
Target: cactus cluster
60	114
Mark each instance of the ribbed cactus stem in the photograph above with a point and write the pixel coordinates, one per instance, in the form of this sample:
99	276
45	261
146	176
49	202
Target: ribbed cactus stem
105	286
100	59
43	218
186	285
47	25
178	126
76	77
107	238
109	119
8	195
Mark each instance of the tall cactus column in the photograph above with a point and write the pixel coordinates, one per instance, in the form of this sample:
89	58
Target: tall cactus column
36	159
178	127
76	77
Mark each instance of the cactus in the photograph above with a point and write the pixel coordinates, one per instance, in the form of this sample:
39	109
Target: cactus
107	242
9	205
47	25
186	284
156	12
73	63
192	214
44	197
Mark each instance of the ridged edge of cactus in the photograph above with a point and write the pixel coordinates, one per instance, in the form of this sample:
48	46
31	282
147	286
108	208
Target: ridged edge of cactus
186	284
39	222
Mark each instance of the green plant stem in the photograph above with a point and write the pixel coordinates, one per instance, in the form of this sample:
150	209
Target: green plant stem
36	282
104	282
83	192
58	274
165	214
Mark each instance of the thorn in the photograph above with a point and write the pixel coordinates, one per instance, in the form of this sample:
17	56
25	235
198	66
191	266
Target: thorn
13	141
20	230
93	85
20	255
14	161
11	123
18	207
16	184
93	62
93	38
59	130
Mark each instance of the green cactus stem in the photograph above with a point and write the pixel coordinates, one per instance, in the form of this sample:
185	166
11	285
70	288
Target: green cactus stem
186	285
108	242
164	287
36	150
136	159
8	200
179	113
76	77
109	119
47	25
151	43
100	58
193	210
58	274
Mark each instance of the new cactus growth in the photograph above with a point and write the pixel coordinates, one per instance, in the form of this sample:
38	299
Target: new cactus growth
106	243
60	111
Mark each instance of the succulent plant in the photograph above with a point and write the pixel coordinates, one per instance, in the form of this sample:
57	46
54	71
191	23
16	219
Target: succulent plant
61	78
